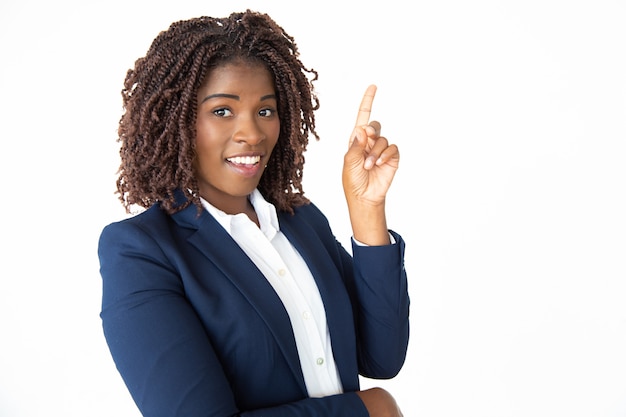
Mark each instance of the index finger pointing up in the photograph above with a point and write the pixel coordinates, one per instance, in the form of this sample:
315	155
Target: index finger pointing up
365	109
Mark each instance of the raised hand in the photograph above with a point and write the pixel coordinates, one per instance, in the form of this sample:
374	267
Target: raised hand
368	170
370	162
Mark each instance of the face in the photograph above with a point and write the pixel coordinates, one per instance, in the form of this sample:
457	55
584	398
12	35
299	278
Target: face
237	127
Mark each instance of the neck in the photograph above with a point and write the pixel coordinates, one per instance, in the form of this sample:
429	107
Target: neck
235	205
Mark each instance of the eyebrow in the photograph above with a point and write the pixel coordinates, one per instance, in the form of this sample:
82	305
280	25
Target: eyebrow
234	97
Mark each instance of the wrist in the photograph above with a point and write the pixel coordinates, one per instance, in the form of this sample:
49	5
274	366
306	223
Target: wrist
369	224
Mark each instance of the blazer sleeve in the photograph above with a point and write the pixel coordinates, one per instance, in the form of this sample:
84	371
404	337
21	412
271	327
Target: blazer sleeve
382	309
158	342
376	282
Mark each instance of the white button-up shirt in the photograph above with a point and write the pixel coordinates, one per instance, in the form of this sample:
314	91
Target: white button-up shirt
286	271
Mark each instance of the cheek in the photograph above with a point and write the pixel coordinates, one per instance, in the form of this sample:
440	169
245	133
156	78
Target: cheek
274	134
206	154
207	140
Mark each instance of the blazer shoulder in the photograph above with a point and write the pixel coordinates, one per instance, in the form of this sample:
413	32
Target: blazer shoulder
311	214
151	222
150	215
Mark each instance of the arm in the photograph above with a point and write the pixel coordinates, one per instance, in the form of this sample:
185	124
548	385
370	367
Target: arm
382	308
369	167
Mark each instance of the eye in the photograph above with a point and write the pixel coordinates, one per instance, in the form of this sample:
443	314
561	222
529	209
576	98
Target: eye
267	112
222	112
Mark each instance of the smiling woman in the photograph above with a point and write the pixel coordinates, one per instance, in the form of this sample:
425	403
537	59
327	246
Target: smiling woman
157	130
229	295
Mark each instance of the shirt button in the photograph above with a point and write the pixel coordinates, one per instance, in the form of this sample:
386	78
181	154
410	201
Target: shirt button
282	272
306	315
320	361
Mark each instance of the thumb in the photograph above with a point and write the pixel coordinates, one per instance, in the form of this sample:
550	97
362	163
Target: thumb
356	150
359	150
358	140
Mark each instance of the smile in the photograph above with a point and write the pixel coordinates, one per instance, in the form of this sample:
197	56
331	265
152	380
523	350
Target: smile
244	160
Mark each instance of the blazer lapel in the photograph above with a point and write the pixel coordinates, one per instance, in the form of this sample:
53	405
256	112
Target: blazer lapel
330	284
219	247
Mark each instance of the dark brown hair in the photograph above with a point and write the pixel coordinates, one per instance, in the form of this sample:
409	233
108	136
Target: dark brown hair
157	128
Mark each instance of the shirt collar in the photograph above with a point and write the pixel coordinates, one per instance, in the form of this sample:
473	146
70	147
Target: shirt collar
265	211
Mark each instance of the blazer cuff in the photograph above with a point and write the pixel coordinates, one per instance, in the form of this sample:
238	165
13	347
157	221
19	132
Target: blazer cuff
392	239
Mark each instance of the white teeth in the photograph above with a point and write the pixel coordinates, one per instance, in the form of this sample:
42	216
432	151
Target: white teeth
245	160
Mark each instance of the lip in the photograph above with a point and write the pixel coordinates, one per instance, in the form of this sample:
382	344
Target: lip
244	167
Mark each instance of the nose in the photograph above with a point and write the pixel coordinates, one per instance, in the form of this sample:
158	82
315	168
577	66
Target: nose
249	131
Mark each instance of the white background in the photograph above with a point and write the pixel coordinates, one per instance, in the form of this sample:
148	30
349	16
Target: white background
511	122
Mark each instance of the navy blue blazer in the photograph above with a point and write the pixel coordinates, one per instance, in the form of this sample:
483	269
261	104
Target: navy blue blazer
195	329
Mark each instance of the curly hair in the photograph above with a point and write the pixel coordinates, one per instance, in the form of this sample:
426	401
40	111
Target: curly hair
157	127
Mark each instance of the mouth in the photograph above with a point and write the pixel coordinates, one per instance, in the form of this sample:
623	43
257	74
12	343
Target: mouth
244	160
248	166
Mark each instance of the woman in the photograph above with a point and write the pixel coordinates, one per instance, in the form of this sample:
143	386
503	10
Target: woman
229	294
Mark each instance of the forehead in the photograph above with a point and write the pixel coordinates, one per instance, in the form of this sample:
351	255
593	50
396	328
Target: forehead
238	78
237	69
237	66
